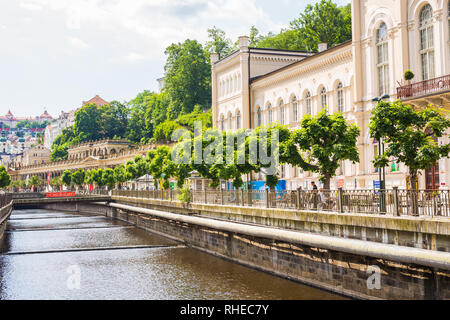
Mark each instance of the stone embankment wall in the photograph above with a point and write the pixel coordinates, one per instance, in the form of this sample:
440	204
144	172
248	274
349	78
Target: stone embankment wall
5	212
432	233
348	266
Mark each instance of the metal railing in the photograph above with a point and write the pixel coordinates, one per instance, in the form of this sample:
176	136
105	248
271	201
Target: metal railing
382	202
434	85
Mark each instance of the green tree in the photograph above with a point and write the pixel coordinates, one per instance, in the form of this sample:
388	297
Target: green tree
97	176
35	181
255	37
321	144
131	170
56	182
87	123
108	178
78	177
287	39
66	178
120	175
324	22
5	178
410	136
188	77
218	43
113	120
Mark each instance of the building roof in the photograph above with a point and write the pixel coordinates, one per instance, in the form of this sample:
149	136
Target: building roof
99	101
46	115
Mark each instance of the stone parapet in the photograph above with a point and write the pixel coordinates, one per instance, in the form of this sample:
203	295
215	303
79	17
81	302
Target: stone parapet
430	233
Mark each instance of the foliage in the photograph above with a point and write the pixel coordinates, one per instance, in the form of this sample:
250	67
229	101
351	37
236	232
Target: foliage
188	77
32	124
322	143
5	178
218	43
66	177
78	177
323	22
120	175
410	135
35	181
108	178
164	131
56	182
184	195
409	75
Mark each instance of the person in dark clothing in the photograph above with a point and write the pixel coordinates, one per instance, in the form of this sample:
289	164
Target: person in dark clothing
315	197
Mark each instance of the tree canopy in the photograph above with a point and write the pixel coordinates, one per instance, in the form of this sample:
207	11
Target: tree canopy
410	135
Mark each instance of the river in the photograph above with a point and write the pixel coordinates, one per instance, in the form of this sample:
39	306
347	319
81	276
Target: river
57	255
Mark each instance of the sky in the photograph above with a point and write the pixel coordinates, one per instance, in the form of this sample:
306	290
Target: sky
54	54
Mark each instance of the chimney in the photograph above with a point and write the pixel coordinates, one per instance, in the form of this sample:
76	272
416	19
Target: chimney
323	46
244	42
214	57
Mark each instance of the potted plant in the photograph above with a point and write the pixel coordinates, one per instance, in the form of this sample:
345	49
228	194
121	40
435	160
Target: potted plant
409	75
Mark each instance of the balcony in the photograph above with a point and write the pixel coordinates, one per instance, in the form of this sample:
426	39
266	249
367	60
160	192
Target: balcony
424	88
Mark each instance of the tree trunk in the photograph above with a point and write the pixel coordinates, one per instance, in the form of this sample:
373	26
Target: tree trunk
327	182
414	192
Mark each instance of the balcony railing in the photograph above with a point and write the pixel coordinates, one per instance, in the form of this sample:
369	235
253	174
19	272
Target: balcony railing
422	88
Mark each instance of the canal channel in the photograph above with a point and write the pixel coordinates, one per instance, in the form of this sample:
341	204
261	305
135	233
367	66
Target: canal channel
58	255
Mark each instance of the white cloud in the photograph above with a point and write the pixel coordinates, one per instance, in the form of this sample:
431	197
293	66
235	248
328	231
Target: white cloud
77	43
160	20
32	5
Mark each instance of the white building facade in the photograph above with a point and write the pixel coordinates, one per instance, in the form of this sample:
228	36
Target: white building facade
255	87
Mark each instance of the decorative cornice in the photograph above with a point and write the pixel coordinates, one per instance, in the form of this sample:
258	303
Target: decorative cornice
305	66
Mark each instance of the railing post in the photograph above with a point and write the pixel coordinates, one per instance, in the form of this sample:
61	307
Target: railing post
340	200
267	198
170	194
242	197
221	195
205	196
298	200
396	206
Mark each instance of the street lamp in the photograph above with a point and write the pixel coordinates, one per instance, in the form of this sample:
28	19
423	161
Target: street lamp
381	171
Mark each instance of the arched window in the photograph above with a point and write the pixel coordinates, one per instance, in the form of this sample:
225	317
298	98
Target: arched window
238	120
269	111
258	117
426	42
281	112
323	97
294	109
382	60
340	97
308	103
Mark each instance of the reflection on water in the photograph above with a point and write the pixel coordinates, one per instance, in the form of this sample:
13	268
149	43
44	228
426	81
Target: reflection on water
171	272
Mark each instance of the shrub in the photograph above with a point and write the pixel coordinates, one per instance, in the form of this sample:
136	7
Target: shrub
409	75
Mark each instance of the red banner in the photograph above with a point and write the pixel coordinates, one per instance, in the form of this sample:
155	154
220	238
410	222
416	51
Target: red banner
60	194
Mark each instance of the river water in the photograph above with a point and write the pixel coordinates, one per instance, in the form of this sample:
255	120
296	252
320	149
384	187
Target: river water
56	255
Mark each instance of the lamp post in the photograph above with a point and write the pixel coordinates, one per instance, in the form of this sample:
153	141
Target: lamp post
382	171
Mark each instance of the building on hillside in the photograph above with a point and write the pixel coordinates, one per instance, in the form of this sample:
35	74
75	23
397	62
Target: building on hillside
65	120
36	155
99	101
54	129
253	87
10	120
